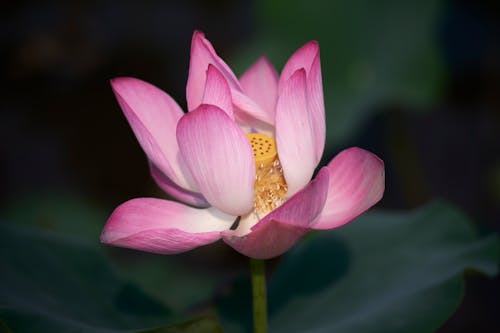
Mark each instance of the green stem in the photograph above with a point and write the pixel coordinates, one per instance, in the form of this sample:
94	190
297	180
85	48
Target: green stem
257	267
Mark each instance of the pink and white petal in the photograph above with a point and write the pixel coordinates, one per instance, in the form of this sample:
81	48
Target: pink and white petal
161	226
248	111
217	91
153	116
283	227
316	106
294	133
357	181
167	185
271	240
260	83
203	54
219	157
302	58
308	58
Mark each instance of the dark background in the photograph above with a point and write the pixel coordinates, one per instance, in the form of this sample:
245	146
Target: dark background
65	144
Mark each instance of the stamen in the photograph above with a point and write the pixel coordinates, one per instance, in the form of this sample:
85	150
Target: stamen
270	186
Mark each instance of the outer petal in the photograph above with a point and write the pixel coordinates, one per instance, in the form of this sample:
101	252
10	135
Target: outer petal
260	82
356	183
153	116
308	58
283	227
203	54
217	91
162	226
302	58
316	106
219	157
294	133
167	185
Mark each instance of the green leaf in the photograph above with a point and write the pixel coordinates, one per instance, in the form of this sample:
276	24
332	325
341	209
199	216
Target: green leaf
51	283
385	272
174	280
63	212
372	52
66	213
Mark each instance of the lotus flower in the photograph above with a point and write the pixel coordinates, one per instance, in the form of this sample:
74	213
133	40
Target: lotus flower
241	159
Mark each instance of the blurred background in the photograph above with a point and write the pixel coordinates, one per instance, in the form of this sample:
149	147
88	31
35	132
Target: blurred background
416	82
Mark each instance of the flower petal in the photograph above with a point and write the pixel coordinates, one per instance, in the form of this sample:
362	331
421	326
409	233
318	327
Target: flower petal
219	157
356	183
162	226
283	227
153	116
167	185
203	54
308	58
248	112
302	58
316	106
260	83
217	91
294	133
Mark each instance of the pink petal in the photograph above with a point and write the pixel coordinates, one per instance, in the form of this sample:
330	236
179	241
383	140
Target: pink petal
248	112
356	183
294	133
153	116
162	226
302	58
283	227
167	185
316	106
217	91
219	157
260	83
308	58
203	54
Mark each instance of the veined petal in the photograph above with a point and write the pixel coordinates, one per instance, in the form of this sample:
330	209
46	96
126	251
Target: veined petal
302	58
248	112
356	183
316	106
203	54
167	185
217	91
308	58
294	133
219	157
260	83
153	116
271	240
162	226
282	228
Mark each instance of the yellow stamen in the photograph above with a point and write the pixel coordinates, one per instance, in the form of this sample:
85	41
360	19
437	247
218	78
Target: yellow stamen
270	186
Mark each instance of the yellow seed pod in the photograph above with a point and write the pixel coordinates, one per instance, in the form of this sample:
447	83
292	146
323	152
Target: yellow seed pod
264	149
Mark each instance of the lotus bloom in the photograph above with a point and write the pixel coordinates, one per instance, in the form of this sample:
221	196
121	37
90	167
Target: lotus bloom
241	159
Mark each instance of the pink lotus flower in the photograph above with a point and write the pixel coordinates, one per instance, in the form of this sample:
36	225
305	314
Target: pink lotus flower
241	159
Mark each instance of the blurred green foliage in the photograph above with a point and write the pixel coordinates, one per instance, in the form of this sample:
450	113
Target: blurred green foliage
70	215
385	272
371	53
51	283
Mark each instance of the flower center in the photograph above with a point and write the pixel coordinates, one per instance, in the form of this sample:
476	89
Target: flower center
270	186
